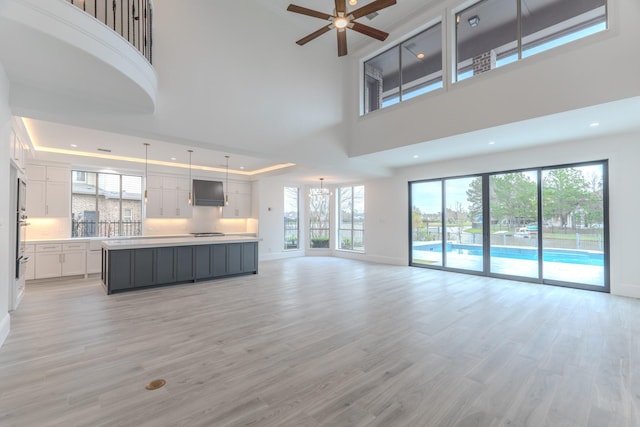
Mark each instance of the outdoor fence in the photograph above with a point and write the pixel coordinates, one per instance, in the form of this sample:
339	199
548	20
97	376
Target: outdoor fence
105	228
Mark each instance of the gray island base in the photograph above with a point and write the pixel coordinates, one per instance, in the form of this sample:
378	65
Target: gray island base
130	264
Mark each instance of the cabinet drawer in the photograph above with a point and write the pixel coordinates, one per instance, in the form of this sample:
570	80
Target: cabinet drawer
54	247
74	246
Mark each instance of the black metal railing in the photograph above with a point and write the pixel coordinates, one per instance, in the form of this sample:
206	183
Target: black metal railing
105	228
131	19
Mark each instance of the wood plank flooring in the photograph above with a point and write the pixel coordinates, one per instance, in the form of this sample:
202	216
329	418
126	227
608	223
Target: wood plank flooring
323	342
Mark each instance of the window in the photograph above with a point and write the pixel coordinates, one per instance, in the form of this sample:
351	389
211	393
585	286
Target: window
351	218
319	218
492	33
105	205
405	71
544	225
291	223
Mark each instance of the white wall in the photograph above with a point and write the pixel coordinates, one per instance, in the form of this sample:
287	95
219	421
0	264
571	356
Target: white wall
587	72
6	213
270	199
386	238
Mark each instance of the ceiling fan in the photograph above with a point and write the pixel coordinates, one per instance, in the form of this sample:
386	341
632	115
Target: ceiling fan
341	20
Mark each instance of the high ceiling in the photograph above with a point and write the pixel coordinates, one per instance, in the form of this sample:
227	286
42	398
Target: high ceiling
256	96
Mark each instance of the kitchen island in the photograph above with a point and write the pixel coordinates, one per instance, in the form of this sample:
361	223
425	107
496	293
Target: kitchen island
129	264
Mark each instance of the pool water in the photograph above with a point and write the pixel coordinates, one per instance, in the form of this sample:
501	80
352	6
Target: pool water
549	255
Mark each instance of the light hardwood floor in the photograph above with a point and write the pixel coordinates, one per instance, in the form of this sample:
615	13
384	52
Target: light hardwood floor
323	342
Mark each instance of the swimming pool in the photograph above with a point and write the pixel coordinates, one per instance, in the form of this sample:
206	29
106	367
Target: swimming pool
567	256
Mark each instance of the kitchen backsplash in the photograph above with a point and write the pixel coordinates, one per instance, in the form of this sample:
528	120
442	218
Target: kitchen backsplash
204	219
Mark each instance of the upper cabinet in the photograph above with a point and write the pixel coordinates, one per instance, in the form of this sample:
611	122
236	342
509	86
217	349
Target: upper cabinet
19	145
168	197
48	191
239	200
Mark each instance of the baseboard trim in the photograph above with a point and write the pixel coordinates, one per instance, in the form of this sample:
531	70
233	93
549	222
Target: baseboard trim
5	327
281	255
624	290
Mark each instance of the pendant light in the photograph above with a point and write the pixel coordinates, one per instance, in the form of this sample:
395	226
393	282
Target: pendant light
190	201
146	166
318	192
226	193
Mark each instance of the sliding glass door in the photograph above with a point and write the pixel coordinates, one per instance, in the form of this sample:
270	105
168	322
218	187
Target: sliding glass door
463	219
426	223
513	201
573	224
545	225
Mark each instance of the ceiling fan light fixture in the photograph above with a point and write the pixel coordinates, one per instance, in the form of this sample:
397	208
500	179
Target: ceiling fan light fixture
353	2
341	22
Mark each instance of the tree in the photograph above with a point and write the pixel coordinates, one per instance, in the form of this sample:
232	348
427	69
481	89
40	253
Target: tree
513	197
474	197
564	191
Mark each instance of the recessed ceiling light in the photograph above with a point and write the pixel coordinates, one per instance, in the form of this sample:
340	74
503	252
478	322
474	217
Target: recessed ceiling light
353	2
492	142
74	145
415	156
594	124
420	56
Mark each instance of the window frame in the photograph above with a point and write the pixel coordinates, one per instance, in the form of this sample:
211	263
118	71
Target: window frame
106	228
287	231
350	230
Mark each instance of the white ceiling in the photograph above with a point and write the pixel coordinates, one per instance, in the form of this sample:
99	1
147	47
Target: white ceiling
287	126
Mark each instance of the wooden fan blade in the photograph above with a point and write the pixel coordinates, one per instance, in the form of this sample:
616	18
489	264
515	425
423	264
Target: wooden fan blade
369	31
308	12
342	42
341	6
313	35
372	7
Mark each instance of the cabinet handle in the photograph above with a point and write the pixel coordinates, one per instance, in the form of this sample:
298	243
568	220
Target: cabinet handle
177	211
46	209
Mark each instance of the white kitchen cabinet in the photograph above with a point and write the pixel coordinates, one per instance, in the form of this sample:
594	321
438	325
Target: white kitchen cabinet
30	270
48	191
57	260
48	259
168	197
74	259
94	261
19	151
239	200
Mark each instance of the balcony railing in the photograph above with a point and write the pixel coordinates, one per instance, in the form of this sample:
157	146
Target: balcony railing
131	19
105	228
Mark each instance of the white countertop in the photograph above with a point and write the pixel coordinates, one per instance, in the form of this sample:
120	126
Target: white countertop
156	242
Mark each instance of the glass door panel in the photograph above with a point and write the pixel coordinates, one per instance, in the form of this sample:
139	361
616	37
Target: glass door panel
463	219
573	224
426	223
513	203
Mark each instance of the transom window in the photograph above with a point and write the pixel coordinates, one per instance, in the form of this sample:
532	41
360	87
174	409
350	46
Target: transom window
486	35
405	71
493	33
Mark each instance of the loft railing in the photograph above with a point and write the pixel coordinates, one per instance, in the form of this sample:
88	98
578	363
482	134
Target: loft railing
131	19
